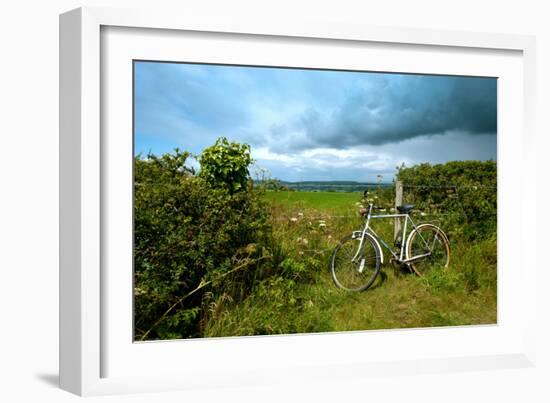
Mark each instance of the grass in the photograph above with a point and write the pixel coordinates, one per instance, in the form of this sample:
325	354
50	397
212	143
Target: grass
307	300
396	300
322	201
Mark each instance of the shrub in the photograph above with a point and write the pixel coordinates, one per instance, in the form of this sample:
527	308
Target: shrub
470	204
225	164
191	230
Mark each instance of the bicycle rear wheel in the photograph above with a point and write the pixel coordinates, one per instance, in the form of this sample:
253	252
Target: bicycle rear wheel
358	274
427	239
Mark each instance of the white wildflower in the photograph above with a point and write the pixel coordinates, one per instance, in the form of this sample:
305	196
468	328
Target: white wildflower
293	219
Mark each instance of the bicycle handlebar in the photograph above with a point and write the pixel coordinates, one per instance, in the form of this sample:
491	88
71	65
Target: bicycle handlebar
372	207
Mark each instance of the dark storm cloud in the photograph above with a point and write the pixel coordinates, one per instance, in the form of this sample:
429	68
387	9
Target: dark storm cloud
316	124
393	108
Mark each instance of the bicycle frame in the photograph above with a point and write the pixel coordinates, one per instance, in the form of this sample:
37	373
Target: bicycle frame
367	229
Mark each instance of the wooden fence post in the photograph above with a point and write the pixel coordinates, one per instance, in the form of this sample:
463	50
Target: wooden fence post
398	202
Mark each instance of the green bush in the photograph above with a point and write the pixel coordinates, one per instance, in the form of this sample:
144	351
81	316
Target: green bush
191	230
225	164
463	192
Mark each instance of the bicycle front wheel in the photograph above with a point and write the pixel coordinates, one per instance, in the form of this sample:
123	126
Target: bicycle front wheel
429	248
354	269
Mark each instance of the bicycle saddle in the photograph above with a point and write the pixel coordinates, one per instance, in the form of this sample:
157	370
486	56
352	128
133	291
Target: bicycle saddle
405	208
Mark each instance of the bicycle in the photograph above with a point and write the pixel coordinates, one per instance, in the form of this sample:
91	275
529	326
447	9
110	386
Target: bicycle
357	258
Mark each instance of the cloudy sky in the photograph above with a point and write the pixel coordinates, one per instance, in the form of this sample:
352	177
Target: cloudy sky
314	124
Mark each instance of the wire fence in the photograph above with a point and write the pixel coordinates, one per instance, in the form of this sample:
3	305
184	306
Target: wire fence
438	186
434	212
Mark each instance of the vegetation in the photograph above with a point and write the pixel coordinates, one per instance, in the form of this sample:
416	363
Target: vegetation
329	202
190	231
225	165
219	255
463	190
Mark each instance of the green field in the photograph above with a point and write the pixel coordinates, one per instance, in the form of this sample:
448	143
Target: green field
323	201
308	229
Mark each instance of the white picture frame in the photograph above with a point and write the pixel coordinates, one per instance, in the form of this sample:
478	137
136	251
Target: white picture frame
86	345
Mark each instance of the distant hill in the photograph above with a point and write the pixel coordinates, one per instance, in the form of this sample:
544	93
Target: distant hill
330	186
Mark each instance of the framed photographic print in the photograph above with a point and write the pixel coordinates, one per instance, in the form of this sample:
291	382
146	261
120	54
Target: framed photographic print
237	197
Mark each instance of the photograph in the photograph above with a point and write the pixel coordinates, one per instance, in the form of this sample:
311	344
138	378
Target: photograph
276	200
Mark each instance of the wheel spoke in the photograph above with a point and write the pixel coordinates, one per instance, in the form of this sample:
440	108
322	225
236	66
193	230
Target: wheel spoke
358	274
428	239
